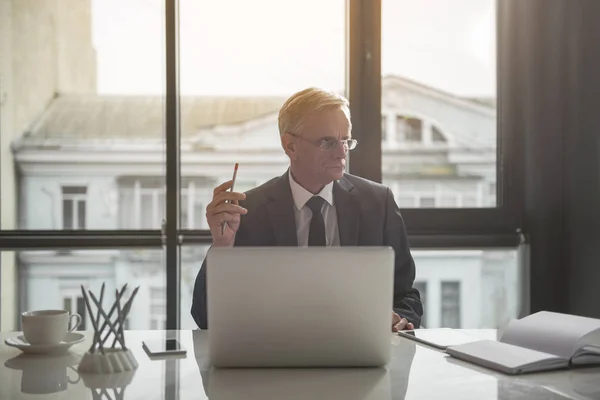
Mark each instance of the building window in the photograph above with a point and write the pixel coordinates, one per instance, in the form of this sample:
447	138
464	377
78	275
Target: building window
152	206
427	202
74	207
406	201
437	136
492	194
449	201
158	308
142	203
409	129
384	135
469	201
451	304
421	286
74	303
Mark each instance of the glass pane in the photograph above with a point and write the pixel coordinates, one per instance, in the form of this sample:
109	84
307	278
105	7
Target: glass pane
81	310
439	101
469	288
259	56
82	111
51	280
67	304
81	214
67	214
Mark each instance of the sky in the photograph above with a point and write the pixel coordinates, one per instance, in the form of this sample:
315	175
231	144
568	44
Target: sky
276	47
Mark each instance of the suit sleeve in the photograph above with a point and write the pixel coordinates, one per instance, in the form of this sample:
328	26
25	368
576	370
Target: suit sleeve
407	300
199	312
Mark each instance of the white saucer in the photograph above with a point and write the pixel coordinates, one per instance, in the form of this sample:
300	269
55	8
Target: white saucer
22	344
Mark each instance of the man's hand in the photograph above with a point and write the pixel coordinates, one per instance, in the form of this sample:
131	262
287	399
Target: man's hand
400	324
224	207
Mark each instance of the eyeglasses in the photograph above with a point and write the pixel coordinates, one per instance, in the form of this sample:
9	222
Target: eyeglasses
329	144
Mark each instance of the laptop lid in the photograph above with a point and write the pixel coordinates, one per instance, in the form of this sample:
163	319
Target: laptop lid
299	306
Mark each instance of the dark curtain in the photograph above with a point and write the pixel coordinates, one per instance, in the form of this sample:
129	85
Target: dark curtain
549	88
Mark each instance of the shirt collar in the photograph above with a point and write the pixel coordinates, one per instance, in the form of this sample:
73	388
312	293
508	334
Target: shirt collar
301	195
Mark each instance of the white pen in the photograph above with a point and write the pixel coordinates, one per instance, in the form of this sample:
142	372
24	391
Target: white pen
235	169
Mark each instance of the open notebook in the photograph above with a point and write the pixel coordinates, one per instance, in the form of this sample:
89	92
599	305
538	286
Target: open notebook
539	342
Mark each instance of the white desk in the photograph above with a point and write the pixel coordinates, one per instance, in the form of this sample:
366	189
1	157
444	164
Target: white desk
416	372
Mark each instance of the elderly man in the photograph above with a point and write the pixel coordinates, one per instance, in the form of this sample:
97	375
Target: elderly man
315	202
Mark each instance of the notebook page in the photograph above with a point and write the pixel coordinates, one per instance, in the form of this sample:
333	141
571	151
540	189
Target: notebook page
587	355
550	332
505	357
591	339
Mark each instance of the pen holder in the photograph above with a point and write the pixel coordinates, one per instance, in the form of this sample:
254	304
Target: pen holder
117	358
100	384
112	361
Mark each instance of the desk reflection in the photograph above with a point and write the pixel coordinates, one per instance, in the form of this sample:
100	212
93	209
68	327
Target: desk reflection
580	383
45	374
292	384
303	383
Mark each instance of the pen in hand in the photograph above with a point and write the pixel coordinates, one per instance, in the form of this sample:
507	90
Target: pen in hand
235	169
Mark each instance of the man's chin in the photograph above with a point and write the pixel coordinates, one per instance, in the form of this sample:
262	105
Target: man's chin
336	173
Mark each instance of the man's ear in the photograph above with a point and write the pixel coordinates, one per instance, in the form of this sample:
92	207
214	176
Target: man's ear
289	145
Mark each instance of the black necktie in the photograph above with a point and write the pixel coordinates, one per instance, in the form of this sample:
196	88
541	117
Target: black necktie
316	234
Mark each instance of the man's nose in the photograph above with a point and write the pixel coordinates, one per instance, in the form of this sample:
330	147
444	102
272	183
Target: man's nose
341	149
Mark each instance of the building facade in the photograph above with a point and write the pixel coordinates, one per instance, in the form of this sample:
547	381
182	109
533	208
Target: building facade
97	162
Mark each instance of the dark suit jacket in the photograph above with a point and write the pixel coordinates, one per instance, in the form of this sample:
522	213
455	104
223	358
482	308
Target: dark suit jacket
367	216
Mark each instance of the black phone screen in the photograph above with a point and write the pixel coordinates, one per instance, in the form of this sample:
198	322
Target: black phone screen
172	344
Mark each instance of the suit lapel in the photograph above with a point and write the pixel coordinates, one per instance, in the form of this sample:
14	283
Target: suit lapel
348	212
280	208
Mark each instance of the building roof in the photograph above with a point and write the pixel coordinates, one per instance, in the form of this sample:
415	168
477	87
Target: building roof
487	102
99	117
107	117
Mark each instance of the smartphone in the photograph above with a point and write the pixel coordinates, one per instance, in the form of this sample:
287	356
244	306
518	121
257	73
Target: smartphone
164	347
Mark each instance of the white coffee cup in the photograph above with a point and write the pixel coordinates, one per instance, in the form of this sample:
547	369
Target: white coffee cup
48	326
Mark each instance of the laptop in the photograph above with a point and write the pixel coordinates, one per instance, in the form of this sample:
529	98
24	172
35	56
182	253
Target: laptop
300	306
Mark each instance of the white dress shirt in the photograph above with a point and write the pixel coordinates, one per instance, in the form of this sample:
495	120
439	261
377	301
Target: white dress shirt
303	214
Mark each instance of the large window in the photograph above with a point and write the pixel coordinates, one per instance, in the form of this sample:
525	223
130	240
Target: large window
97	153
